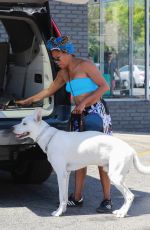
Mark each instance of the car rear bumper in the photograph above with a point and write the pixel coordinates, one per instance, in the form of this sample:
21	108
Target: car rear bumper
58	119
7	137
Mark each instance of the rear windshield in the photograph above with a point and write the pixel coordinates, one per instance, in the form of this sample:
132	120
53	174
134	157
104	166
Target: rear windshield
141	67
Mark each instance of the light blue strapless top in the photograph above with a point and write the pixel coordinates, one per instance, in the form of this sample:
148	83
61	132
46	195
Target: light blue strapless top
79	86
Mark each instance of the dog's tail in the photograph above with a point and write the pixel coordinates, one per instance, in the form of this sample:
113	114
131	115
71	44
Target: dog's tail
141	168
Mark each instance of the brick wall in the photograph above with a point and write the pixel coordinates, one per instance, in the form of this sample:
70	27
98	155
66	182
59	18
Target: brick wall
130	115
72	19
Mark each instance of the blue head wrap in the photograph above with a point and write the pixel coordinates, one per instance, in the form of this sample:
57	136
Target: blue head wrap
60	43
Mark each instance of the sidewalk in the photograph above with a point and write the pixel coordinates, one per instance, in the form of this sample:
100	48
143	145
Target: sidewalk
140	142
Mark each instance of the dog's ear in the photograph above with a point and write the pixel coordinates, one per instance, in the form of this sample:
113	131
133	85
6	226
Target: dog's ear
38	114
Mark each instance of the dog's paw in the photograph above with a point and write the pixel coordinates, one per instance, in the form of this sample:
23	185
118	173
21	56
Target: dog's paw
59	211
115	212
119	213
56	213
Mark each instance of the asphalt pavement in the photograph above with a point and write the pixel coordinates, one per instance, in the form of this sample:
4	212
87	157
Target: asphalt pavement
27	207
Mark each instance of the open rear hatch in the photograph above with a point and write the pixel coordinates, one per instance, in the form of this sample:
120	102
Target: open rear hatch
73	1
28	2
25	68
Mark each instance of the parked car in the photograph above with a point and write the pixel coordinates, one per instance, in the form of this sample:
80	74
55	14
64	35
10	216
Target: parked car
138	76
26	68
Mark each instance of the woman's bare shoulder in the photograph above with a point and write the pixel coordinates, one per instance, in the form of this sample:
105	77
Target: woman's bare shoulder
87	63
81	62
84	60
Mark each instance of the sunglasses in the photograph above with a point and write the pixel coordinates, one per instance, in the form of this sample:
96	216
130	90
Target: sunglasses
56	60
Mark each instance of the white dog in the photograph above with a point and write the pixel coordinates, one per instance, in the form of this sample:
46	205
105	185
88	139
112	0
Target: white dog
68	151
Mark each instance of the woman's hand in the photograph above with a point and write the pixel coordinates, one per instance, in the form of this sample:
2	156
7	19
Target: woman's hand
79	108
27	101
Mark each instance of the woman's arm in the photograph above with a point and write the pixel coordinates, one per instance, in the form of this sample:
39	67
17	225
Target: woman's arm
92	72
54	86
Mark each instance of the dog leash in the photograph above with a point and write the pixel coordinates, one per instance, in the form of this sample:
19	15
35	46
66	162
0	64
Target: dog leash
75	119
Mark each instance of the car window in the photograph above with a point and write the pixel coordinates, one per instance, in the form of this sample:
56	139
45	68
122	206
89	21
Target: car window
123	69
126	68
141	67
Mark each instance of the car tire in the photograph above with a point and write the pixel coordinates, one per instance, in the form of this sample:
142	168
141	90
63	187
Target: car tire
31	167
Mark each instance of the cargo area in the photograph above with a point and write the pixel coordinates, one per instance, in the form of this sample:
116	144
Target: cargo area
24	66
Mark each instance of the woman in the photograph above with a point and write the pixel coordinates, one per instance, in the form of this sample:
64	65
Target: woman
86	84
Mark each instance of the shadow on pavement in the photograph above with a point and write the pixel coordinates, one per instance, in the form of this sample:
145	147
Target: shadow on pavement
43	199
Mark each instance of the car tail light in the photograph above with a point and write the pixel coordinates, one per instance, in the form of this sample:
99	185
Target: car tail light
57	31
